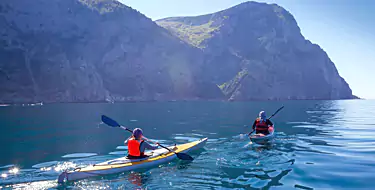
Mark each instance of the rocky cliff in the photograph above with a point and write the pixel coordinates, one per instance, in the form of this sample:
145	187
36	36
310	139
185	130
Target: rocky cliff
255	51
93	50
102	50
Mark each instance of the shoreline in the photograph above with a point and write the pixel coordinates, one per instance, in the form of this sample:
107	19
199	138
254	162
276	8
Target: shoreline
160	101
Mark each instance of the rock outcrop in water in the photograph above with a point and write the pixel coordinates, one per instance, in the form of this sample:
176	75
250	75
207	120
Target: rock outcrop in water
93	50
255	51
102	50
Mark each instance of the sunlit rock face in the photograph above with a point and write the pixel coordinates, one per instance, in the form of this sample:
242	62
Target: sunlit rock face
255	51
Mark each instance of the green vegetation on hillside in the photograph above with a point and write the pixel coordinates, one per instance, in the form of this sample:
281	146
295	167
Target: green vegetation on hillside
103	7
194	35
229	87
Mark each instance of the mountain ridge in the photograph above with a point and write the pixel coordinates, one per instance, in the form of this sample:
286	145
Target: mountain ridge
261	39
104	51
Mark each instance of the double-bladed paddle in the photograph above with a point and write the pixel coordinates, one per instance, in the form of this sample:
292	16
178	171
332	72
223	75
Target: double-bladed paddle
113	123
277	111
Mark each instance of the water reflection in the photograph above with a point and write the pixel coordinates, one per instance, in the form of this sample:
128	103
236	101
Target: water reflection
137	179
320	144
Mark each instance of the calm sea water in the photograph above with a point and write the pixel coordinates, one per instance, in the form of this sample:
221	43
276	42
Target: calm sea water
318	145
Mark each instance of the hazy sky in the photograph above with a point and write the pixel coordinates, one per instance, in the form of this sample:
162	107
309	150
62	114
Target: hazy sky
345	29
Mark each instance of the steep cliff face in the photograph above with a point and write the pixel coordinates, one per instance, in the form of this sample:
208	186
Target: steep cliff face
102	50
255	51
93	50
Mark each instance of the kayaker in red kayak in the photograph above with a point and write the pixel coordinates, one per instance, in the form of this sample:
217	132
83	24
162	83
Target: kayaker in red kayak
137	145
262	125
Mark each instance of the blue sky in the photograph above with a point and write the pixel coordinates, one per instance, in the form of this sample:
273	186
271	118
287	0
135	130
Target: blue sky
345	29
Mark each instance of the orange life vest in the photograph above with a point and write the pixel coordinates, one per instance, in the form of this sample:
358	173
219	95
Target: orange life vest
261	126
134	147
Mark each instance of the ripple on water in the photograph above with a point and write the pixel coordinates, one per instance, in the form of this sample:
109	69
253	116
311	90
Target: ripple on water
79	155
119	153
38	185
157	140
92	159
122	147
7	166
45	164
189	139
212	140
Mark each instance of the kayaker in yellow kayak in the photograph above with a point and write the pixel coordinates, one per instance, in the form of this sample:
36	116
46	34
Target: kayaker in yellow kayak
137	145
262	125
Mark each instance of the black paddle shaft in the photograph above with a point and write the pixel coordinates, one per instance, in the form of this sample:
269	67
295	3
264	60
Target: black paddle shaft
165	148
276	112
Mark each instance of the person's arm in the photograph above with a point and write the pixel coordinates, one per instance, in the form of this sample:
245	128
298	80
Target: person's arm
254	124
269	122
126	141
145	145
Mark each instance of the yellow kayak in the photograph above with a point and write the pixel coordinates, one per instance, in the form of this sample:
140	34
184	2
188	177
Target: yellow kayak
123	164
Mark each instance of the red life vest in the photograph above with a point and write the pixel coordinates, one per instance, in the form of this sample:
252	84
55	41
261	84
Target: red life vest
134	147
261	126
